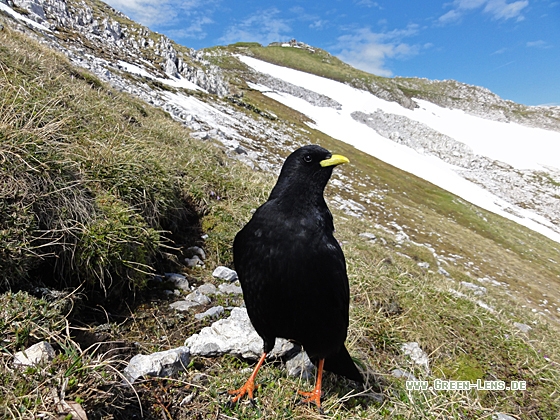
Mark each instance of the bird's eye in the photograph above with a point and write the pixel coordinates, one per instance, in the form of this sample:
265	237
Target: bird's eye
307	158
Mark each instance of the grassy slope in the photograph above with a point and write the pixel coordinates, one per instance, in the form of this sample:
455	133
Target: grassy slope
135	169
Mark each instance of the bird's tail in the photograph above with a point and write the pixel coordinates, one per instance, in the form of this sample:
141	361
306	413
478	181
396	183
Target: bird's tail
342	364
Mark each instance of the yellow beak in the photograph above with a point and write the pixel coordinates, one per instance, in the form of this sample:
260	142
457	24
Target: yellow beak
334	160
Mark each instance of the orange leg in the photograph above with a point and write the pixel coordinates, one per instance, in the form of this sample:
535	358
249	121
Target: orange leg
315	395
249	386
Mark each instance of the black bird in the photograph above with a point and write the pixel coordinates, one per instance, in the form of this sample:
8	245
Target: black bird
293	272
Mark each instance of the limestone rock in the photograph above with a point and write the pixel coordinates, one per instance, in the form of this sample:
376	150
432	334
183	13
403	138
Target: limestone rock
207	289
34	355
213	312
225	273
178	280
161	364
522	327
399	373
416	354
502	416
478	290
301	366
234	335
196	250
367	235
194	261
192	300
230	289
444	272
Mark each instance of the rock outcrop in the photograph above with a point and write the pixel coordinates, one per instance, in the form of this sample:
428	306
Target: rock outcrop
94	28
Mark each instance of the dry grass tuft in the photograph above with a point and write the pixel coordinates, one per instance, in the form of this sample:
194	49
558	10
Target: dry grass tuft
96	188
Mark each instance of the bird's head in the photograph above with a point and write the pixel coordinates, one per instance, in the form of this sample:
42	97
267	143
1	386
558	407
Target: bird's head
307	170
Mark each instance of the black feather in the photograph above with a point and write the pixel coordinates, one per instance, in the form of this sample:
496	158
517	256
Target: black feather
292	269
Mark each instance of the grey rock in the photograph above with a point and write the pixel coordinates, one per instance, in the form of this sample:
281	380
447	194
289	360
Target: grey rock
171	68
34	8
192	300
194	261
456	293
502	416
213	312
198	297
34	355
183	305
484	305
230	289
201	135
115	33
424	264
196	250
314	98
301	366
478	290
512	185
522	327
160	364
224	273
367	235
444	272
401	237
178	280
348	206
234	335
207	289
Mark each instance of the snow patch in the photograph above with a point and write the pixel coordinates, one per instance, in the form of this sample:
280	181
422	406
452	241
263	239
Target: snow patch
20	17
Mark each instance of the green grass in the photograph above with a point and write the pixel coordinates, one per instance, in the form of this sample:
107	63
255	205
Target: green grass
72	179
99	190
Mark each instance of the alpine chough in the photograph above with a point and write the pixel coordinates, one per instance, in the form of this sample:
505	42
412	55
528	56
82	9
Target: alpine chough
293	272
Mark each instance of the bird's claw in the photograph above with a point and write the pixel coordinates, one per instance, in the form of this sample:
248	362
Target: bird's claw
313	396
248	388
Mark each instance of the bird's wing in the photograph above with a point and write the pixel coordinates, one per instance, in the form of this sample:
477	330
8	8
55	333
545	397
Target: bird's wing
293	276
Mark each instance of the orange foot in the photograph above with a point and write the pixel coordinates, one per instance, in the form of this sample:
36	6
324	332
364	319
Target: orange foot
248	388
313	396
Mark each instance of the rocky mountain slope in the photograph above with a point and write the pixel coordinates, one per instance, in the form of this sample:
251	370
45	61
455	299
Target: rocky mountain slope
151	66
209	92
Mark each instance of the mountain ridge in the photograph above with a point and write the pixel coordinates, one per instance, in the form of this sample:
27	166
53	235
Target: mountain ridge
128	40
453	94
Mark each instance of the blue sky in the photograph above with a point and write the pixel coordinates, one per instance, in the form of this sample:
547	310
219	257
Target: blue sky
511	47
